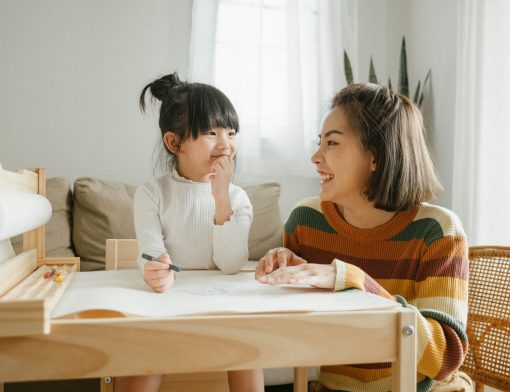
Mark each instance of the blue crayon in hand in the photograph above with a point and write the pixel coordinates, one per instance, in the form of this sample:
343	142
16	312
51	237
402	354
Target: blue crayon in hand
151	258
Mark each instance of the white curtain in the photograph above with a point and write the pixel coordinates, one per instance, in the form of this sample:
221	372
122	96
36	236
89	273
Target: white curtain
481	173
279	61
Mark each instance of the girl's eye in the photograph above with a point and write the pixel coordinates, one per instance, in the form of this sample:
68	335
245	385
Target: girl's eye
211	133
232	134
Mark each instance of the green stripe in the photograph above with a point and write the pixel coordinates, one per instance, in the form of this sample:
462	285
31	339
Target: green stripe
458	327
307	216
427	229
401	300
425	385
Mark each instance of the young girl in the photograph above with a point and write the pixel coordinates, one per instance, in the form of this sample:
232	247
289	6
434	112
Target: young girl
193	217
371	229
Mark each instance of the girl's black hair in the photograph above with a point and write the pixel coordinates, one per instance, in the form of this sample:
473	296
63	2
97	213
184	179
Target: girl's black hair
189	109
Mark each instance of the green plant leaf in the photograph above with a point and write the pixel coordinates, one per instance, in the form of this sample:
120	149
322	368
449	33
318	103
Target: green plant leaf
372	77
403	82
417	92
347	69
427	78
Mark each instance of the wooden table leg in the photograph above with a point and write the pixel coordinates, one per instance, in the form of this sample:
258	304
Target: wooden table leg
301	379
404	368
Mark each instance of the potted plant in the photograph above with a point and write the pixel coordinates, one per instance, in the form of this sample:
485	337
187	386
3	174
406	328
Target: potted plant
403	81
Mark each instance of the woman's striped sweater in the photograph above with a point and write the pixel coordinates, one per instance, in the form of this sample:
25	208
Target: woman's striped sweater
418	258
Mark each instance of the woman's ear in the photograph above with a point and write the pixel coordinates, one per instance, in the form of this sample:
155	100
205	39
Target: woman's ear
171	142
373	165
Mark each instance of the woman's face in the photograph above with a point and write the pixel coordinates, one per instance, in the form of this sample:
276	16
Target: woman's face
345	168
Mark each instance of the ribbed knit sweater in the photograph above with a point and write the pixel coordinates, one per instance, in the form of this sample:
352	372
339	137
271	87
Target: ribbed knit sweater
418	258
176	216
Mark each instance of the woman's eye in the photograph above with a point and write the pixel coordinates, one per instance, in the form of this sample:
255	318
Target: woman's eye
331	143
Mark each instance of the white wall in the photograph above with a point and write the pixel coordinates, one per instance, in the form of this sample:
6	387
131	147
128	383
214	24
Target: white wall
71	73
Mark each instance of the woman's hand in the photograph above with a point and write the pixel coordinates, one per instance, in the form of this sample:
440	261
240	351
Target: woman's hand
317	275
157	275
277	258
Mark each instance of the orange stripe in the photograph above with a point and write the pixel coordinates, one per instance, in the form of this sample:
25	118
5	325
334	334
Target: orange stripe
387	250
447	246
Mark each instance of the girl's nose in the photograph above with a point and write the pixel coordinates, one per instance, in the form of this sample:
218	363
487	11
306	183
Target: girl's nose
224	144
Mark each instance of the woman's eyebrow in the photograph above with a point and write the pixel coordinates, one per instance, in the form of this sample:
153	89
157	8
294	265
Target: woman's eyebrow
333	131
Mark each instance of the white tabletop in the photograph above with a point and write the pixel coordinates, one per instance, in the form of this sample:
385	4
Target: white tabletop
203	292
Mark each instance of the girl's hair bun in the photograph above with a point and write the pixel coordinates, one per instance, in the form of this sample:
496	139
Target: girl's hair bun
162	86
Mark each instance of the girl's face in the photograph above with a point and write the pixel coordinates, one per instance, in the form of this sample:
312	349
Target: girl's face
345	168
195	157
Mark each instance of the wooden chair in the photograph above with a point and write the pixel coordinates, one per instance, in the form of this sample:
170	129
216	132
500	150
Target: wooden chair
488	328
122	253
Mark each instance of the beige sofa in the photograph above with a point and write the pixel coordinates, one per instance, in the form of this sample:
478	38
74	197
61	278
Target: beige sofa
92	210
95	210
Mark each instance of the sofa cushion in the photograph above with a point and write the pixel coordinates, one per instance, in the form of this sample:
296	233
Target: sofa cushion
266	231
58	228
104	209
101	210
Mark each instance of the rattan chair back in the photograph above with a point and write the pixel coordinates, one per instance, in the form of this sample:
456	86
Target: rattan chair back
488	328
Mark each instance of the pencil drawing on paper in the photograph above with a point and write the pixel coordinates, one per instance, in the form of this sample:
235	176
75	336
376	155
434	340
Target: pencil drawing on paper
217	290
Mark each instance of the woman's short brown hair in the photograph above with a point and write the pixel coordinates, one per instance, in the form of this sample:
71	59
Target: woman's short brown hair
391	127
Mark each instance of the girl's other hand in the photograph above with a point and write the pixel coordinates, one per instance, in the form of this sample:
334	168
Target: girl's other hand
277	258
157	275
221	175
317	275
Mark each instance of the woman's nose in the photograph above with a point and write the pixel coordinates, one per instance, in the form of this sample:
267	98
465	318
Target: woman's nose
316	156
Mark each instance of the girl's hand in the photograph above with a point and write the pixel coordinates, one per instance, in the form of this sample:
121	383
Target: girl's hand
157	275
221	175
317	275
277	258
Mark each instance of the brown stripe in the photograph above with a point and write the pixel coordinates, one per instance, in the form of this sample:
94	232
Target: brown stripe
373	287
453	354
453	267
385	365
376	268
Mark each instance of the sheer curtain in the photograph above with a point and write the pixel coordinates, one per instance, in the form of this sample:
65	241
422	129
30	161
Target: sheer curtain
279	61
481	173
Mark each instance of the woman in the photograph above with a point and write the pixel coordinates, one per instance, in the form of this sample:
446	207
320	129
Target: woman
371	229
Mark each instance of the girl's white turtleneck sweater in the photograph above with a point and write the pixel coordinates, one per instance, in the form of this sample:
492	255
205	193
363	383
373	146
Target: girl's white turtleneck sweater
176	216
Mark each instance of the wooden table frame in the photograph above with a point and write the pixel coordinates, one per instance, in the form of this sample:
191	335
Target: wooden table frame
85	348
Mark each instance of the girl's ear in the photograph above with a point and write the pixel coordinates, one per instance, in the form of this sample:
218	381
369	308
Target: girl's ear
171	142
